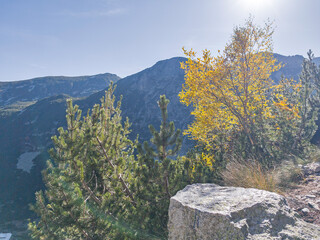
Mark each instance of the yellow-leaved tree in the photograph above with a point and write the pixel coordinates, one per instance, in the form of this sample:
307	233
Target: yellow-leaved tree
231	92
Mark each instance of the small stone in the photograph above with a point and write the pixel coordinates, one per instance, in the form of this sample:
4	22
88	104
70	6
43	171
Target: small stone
310	196
317	169
313	205
305	210
307	171
308	179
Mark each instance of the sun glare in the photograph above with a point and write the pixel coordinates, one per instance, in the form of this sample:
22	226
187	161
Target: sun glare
255	4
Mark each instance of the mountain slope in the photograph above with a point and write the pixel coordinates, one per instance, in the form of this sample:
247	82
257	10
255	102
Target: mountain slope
38	88
141	92
292	66
28	131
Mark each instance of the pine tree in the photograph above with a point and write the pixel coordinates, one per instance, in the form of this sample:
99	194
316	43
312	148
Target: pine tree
88	181
95	189
159	175
309	99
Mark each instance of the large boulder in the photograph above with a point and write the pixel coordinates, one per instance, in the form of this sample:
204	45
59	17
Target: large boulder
208	211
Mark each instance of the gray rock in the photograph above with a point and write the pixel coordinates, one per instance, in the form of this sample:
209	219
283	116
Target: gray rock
310	196
313	205
311	168
305	210
208	211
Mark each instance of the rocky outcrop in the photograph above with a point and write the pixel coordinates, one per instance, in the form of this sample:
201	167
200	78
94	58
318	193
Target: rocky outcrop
208	211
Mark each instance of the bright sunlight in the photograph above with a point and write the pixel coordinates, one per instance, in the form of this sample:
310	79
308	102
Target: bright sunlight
255	4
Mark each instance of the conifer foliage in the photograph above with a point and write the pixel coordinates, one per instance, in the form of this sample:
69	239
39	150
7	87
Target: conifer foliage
309	99
95	187
88	182
159	175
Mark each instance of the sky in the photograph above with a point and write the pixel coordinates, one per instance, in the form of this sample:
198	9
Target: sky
87	37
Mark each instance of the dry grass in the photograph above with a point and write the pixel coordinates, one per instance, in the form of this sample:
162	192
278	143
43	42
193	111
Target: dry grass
249	174
286	175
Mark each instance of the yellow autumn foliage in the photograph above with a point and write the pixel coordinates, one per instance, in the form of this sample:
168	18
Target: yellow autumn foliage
229	91
281	99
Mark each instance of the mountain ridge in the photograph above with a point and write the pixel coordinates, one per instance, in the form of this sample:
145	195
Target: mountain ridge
38	88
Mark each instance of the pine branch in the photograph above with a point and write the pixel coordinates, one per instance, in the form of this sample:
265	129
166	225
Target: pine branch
124	185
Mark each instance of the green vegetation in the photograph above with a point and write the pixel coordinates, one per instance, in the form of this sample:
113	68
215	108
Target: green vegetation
6	111
88	182
96	189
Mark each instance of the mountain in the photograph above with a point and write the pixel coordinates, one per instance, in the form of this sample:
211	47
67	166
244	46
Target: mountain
17	95
25	132
141	92
292	66
24	140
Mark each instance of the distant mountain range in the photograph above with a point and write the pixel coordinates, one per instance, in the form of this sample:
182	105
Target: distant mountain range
38	88
17	95
32	110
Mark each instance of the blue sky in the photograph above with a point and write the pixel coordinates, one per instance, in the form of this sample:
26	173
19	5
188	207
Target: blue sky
85	37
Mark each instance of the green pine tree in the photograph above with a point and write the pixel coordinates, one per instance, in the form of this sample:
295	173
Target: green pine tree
309	99
96	189
159	175
88	182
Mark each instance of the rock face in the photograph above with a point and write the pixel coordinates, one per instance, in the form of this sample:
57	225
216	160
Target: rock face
208	211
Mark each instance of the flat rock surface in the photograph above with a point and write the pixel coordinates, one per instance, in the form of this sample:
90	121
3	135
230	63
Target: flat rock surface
208	211
225	200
